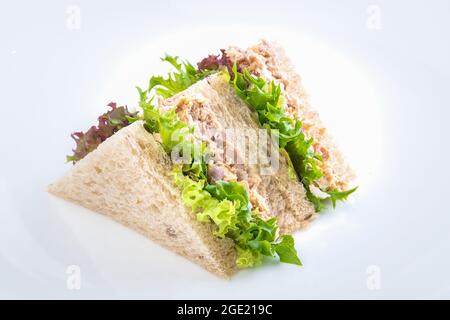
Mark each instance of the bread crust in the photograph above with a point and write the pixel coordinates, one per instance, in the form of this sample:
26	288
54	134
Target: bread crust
217	101
269	60
127	179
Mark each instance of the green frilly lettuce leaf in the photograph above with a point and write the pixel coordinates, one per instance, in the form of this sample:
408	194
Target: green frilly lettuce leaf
266	99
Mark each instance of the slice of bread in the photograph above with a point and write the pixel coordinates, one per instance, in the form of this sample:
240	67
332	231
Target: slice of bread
270	61
127	179
213	104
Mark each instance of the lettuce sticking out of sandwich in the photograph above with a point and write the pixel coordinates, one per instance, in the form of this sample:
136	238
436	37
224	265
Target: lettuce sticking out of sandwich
267	99
224	203
108	123
230	214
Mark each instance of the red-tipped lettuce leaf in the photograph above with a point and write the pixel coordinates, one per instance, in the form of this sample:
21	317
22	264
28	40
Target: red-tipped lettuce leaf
108	123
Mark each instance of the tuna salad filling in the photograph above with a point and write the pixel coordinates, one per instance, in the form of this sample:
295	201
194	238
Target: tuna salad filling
217	192
261	61
264	91
228	195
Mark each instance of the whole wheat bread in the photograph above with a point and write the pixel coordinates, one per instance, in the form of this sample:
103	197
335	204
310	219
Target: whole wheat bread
220	108
269	60
127	179
127	176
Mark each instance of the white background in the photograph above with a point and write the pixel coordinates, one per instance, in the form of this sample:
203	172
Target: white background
378	72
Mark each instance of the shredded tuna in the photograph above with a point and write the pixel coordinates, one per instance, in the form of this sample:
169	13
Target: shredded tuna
262	61
209	130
